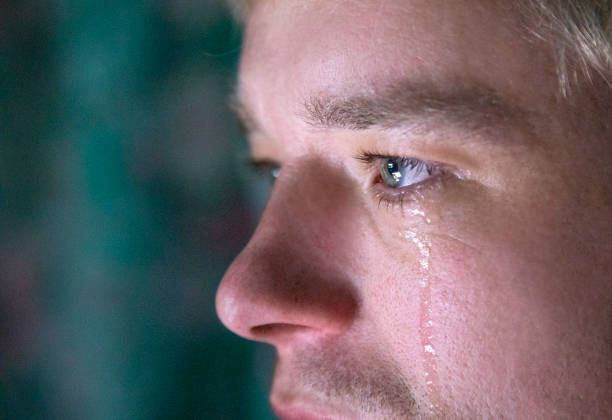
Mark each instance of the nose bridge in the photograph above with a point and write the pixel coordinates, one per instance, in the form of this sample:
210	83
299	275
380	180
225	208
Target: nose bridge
310	200
293	273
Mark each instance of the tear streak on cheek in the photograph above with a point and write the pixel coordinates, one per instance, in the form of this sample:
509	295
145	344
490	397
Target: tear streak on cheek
426	324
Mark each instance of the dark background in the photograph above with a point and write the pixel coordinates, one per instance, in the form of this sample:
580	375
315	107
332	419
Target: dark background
121	205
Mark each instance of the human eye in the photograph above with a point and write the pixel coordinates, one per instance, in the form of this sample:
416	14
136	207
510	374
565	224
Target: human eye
398	179
266	169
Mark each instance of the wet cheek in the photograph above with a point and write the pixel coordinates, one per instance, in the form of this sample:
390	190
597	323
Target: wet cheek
462	265
494	329
466	330
446	244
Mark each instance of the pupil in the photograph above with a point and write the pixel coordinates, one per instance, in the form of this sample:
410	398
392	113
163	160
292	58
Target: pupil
394	169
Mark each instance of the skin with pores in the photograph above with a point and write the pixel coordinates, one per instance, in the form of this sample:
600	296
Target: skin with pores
488	292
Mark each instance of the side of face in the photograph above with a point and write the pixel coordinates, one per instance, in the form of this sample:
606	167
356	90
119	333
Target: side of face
482	290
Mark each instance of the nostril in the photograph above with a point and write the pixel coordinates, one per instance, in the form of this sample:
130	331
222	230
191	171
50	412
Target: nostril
277	330
271	293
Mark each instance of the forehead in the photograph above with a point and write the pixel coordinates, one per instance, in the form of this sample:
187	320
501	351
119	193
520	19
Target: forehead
296	49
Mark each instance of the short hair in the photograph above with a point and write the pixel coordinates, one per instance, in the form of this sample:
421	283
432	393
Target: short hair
580	32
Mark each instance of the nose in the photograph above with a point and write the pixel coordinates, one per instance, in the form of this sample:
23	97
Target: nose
292	279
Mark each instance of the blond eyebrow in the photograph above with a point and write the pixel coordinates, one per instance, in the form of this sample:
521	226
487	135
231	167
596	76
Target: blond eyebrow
414	105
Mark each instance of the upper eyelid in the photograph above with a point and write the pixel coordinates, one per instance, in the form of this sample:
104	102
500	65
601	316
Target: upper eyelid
262	164
370	158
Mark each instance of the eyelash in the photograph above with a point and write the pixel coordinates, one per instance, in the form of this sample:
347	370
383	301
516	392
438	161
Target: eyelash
394	198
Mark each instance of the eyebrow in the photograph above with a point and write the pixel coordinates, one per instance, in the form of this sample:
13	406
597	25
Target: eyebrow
416	106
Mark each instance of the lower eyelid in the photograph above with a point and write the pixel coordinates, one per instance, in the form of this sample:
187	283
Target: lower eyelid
397	198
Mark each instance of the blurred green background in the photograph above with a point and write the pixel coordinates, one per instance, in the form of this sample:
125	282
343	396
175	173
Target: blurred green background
121	205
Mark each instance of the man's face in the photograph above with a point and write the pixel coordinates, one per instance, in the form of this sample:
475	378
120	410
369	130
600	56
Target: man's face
438	241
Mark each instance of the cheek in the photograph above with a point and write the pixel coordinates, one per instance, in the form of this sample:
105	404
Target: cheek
514	320
510	327
483	326
498	304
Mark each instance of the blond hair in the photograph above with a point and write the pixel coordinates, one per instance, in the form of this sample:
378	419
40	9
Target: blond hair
580	32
